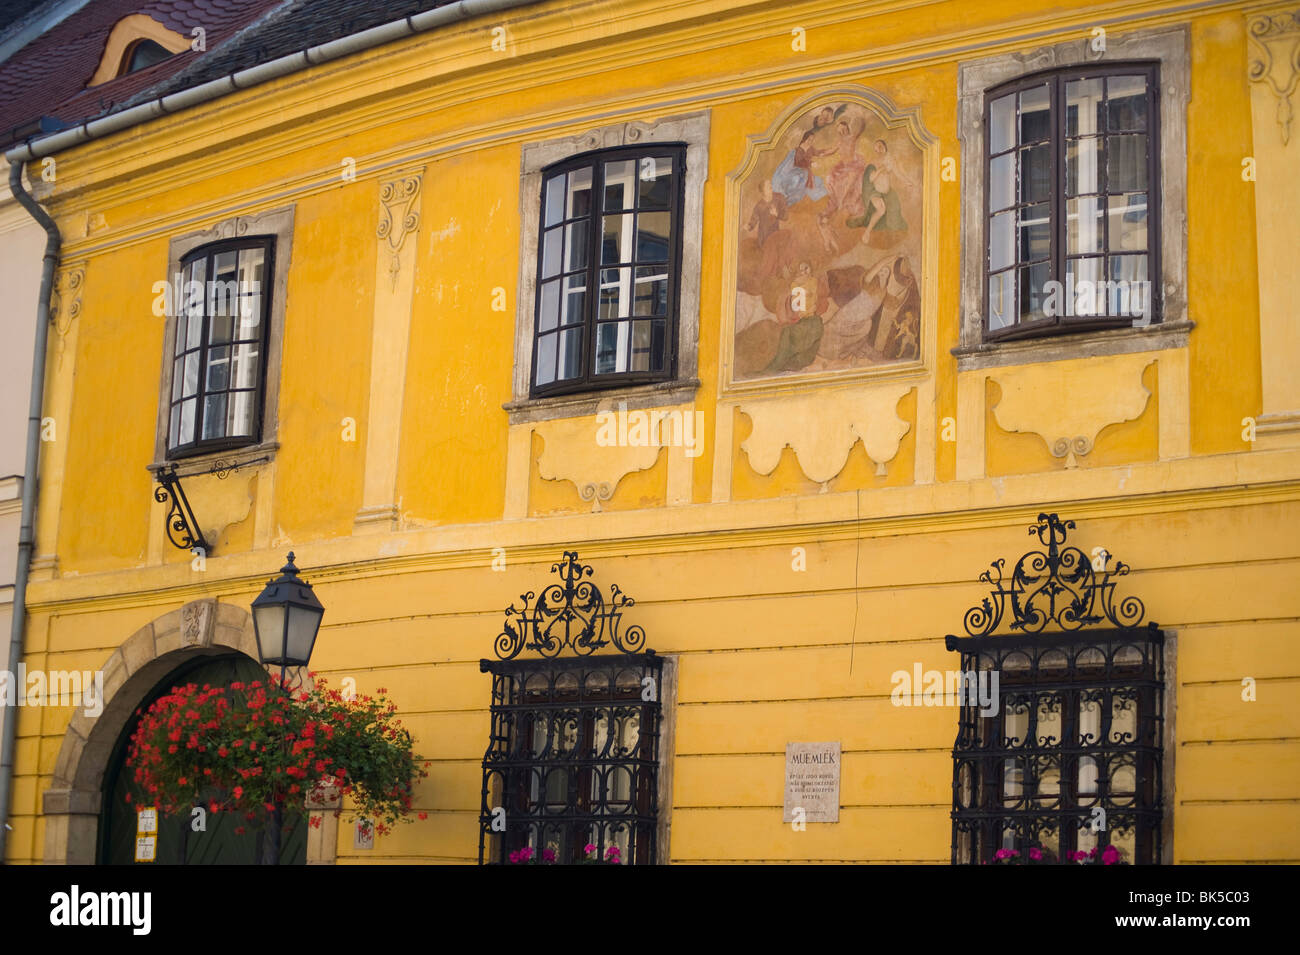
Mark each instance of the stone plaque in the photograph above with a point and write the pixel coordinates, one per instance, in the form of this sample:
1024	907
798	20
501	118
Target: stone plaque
812	781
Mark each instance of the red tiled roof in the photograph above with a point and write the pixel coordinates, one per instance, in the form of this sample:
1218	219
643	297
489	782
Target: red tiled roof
48	76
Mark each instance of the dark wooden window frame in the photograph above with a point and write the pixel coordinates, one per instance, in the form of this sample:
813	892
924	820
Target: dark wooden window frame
1056	80
208	252
589	380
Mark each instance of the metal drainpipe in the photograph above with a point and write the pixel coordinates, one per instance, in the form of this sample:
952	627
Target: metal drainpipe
95	129
25	534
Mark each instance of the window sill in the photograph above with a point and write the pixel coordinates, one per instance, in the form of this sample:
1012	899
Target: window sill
656	395
219	462
1093	344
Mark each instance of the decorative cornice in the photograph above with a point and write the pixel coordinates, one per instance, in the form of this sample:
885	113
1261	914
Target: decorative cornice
1235	480
1275	40
265	107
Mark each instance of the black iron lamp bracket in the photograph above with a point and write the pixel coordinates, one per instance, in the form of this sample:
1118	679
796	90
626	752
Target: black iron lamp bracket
182	526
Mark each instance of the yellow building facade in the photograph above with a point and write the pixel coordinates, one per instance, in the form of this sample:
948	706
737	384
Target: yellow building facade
812	515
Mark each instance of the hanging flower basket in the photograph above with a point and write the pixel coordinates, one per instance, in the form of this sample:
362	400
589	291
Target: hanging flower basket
251	748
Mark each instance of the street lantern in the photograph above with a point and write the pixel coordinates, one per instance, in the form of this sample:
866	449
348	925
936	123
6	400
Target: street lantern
286	618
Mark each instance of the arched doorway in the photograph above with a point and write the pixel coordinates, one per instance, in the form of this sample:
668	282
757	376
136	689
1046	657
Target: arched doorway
215	841
81	793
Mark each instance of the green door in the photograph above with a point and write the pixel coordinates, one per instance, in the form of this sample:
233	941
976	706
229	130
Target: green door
178	843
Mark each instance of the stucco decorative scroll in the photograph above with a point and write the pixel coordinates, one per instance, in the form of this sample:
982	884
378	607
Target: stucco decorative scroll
65	303
398	216
1069	406
574	453
1275	60
821	429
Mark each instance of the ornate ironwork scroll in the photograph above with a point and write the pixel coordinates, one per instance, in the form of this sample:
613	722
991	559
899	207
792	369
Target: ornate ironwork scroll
182	526
1059	585
572	615
1064	751
573	754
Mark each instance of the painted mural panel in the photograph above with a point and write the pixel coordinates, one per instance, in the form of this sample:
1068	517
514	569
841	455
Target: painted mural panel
828	265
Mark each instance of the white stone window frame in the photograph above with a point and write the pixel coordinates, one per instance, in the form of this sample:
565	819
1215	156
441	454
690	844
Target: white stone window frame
691	129
276	224
1170	48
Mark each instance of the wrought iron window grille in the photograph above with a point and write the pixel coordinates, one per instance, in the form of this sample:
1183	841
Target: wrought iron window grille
573	750
1072	758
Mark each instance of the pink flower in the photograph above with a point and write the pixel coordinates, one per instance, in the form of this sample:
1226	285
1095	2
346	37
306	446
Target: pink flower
525	853
1036	854
588	849
1005	854
1110	856
548	855
514	858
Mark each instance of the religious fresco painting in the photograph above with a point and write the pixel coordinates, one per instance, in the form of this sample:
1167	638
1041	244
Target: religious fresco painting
828	266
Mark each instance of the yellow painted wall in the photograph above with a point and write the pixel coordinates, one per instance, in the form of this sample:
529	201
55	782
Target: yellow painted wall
766	654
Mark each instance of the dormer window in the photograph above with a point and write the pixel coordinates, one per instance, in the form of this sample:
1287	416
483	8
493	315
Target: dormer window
143	54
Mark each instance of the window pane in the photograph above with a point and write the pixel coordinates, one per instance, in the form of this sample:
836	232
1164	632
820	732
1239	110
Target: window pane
1083	110
1127	102
658	345
188	408
1130	290
218	369
548	311
1086	298
245	366
620	185
173	429
554	204
1002	182
191	374
1083	225
239	423
178	377
611	347
655	182
1128	222
575	299
194	322
546	359
221	329
616	243
214	416
1002	123
250	315
579	193
251	264
1036	173
1081	160
1033	292
552	246
575	245
652	236
1035	232
1002	240
651	291
1035	115
1002	298
570	357
615	293
1126	170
